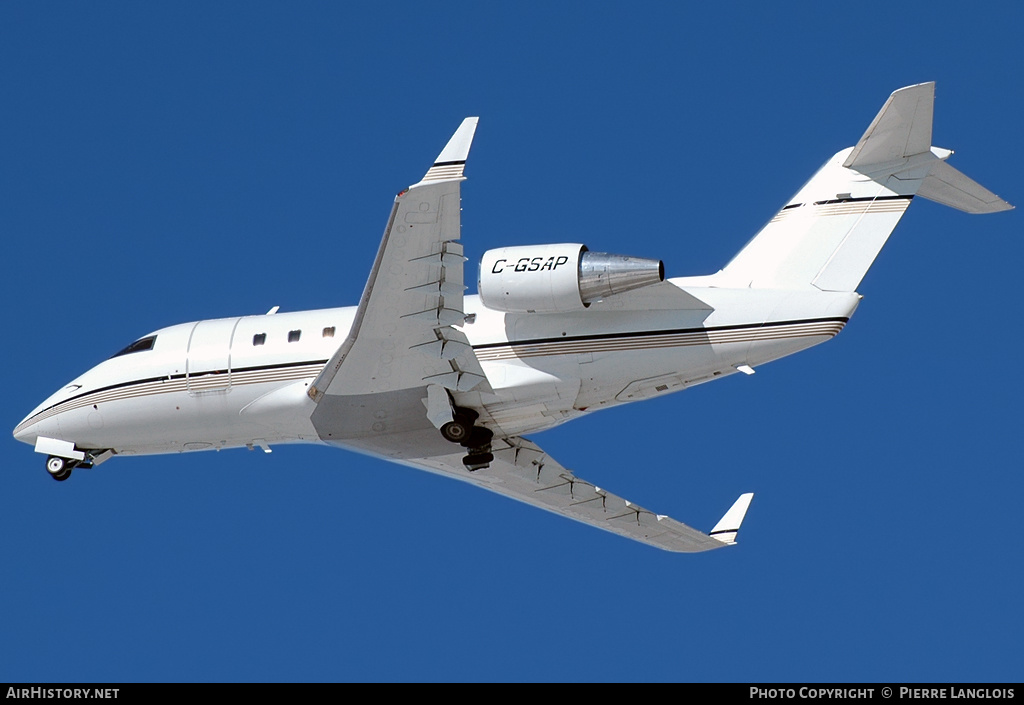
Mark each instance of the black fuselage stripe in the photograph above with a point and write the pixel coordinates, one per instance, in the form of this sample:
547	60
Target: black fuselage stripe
168	378
851	200
485	346
673	331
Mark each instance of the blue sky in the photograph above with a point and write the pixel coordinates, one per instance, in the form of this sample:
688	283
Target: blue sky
167	164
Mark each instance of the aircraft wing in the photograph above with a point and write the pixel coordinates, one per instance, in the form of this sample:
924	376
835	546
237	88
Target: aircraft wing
403	335
522	471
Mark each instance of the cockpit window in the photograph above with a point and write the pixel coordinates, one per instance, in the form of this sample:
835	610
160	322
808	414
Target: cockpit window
139	345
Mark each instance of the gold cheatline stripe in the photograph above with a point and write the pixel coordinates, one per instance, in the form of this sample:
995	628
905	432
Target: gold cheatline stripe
201	383
647	342
660	341
443	172
827	209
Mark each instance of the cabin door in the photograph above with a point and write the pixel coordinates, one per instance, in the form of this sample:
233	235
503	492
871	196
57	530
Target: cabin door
208	363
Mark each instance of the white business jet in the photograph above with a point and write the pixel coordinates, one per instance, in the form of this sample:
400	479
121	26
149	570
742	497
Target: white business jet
420	374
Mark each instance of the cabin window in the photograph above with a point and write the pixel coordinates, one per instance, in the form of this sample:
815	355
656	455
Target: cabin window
329	332
259	339
140	345
294	335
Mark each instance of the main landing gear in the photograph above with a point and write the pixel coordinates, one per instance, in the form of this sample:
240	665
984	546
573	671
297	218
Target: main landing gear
475	439
461	426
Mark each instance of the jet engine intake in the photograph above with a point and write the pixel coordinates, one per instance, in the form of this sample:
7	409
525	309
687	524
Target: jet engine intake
559	278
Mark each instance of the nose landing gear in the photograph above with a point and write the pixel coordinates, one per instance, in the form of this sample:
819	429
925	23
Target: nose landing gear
60	468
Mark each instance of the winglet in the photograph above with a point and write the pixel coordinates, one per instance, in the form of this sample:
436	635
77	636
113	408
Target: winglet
452	160
727	527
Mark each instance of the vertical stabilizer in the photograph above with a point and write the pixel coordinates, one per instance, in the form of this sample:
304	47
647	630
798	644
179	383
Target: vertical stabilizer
830	232
902	128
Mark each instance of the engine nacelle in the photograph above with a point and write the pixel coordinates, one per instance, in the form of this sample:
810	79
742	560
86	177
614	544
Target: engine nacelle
559	278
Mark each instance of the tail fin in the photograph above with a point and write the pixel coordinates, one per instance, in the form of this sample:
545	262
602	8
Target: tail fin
833	228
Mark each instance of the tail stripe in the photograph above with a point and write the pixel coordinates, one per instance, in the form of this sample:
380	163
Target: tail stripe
854	206
833	228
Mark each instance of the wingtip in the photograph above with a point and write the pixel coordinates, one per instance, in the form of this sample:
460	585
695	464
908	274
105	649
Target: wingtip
924	84
729	525
1000	206
457	149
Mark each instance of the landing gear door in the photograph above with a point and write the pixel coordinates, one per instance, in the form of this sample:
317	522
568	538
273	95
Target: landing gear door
208	362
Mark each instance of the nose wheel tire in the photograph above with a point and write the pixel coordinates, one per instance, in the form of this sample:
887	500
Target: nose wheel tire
59	468
55	465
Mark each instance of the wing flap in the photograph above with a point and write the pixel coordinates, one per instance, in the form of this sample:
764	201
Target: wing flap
414	294
524	472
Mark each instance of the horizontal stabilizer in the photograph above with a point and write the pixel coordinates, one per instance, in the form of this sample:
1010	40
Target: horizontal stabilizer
729	525
950	187
829	233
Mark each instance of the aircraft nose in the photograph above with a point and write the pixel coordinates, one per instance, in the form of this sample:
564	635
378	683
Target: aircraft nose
36	424
26	431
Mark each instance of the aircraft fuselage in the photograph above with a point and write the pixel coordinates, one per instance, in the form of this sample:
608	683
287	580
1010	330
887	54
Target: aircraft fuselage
243	382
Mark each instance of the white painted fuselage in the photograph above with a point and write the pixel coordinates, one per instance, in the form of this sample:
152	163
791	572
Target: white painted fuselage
243	382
